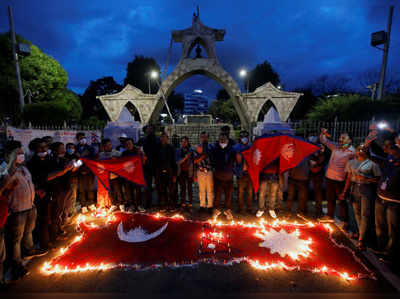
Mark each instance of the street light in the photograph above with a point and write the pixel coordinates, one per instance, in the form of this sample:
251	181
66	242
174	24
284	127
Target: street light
154	76
243	74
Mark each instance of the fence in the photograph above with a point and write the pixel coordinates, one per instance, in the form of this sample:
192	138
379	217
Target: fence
358	129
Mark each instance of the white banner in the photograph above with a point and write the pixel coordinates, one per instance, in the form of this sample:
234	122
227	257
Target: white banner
65	136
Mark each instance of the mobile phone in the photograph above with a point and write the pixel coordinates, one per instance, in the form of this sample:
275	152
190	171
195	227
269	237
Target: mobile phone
78	163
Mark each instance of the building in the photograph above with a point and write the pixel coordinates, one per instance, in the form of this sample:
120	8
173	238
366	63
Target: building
195	103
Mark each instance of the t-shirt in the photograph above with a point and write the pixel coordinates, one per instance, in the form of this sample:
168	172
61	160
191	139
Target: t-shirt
366	168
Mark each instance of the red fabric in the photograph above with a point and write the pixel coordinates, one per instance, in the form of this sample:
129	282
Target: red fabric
3	211
289	150
129	168
182	242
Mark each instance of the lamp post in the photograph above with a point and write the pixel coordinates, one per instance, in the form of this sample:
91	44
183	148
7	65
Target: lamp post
243	74
154	75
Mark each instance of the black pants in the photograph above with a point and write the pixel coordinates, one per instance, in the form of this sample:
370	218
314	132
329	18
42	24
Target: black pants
132	194
42	229
245	184
333	189
223	187
86	189
116	191
149	174
186	185
165	189
387	216
317	180
299	188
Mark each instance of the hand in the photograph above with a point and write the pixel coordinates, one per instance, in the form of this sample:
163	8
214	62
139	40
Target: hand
174	179
342	195
324	131
41	193
69	166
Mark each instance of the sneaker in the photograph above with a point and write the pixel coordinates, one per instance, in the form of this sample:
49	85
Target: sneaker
92	207
272	214
141	209
34	253
326	218
122	208
113	208
228	214
216	213
84	210
259	213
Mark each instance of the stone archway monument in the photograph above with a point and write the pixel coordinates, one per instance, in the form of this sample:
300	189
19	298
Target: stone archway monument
247	106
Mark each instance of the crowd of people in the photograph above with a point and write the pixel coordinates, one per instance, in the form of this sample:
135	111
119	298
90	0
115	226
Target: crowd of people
40	191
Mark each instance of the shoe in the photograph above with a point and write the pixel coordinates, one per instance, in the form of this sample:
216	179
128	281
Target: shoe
34	253
18	272
259	213
122	208
163	209
84	210
272	214
361	246
216	213
228	214
141	209
92	207
113	208
326	218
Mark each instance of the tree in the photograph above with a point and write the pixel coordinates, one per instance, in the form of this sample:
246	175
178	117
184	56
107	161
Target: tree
304	105
260	75
40	73
330	85
176	103
138	72
91	106
370	77
224	110
223	95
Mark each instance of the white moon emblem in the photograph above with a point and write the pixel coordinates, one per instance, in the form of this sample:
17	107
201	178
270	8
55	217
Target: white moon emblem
138	234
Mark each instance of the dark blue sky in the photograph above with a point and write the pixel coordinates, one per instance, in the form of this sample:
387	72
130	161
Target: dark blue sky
302	39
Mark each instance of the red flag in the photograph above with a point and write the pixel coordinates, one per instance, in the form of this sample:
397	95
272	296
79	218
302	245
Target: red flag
290	151
129	168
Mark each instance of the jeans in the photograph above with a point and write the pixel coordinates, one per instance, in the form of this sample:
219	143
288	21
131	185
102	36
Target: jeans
86	189
245	184
333	189
116	191
387	225
185	185
43	221
149	174
361	197
206	188
269	194
223	187
2	252
299	188
317	180
19	230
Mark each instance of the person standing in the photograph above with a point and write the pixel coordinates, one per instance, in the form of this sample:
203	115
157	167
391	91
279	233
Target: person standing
150	145
336	174
269	191
242	174
298	184
362	175
166	174
205	178
317	168
21	220
223	157
86	178
185	163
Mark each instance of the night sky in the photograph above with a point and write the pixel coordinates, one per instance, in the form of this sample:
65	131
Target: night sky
301	39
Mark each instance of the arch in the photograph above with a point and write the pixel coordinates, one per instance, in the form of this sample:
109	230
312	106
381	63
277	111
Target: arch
264	109
133	110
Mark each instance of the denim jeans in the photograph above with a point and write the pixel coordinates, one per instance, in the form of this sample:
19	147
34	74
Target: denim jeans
269	194
244	184
19	228
361	197
333	189
185	187
223	187
387	225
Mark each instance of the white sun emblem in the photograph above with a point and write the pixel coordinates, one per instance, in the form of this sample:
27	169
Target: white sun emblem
256	157
129	167
287	151
285	243
101	168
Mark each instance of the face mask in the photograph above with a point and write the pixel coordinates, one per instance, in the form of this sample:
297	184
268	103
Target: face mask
245	140
223	145
42	154
83	141
70	151
61	155
20	159
49	151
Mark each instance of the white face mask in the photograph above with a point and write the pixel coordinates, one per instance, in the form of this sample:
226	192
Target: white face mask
223	145
245	140
42	154
83	141
20	158
49	151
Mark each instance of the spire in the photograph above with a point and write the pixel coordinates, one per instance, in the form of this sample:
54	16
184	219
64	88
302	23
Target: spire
198	13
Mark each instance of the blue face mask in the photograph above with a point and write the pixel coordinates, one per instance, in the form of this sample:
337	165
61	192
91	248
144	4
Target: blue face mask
70	151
